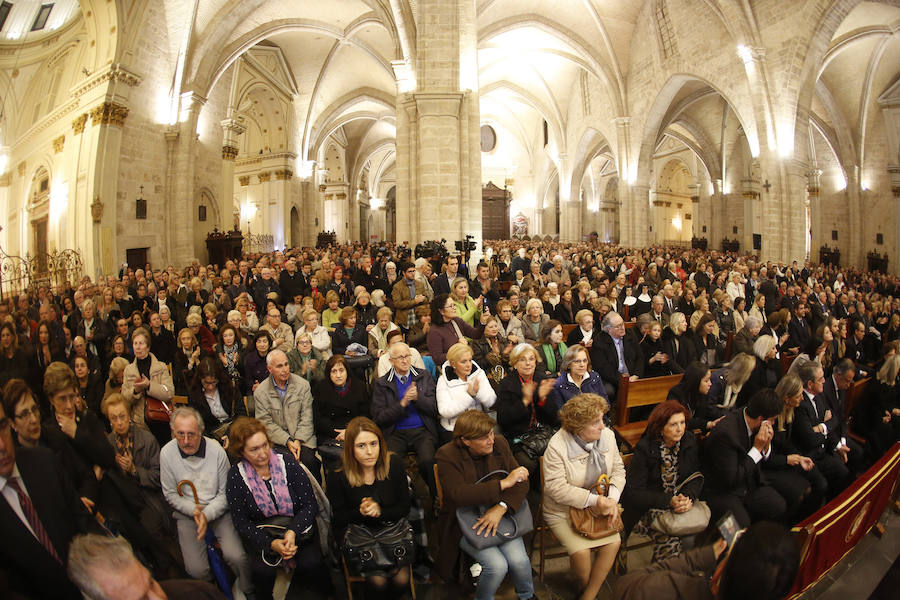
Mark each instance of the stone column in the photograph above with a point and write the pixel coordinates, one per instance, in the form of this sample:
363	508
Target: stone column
230	145
813	192
697	220
893	266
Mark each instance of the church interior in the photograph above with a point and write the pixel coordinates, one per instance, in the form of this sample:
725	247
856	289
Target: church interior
131	129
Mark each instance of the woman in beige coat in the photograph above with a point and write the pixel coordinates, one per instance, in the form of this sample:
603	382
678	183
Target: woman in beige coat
576	456
145	377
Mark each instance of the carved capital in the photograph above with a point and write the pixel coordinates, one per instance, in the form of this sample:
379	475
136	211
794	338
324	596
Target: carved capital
283	174
322	187
78	124
21	169
813	191
229	152
695	198
58	144
109	113
244	180
96	209
264	176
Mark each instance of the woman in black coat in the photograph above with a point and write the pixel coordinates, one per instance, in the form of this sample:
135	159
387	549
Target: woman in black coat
678	344
347	332
691	392
877	418
657	362
210	380
336	400
664	458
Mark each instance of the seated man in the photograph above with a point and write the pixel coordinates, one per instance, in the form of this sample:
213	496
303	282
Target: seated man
201	460
282	335
733	480
284	403
835	389
39	514
395	336
811	430
405	407
613	353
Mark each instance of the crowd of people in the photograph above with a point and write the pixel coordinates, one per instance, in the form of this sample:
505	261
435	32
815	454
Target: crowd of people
308	377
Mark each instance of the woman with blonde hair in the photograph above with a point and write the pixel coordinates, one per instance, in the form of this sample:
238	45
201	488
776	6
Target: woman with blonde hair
879	414
305	360
577	456
370	488
534	319
678	343
320	338
728	387
378	333
467	309
463	385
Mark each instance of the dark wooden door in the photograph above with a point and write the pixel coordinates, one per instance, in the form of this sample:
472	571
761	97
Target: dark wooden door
494	213
136	257
39	232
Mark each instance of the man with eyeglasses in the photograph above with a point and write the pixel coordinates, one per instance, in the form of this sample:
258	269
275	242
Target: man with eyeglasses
408	293
813	425
39	514
282	334
404	405
201	460
613	353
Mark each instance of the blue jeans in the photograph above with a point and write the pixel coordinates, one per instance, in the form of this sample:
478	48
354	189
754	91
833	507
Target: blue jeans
495	562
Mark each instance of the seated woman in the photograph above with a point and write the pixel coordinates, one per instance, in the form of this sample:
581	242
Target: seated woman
378	333
462	386
249	321
767	371
576	377
729	387
320	338
255	370
709	348
212	318
794	476
534	319
370	489
306	361
679	344
336	399
492	350
229	351
523	401
447	328
90	385
566	309
577	455
263	485
692	393
215	398
551	347
145	377
467	309
417	338
366	312
116	377
346	332
187	356
473	454
657	362
332	314
584	333
878	416
666	455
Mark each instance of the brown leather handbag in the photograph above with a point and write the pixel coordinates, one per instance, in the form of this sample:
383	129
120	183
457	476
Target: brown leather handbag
586	522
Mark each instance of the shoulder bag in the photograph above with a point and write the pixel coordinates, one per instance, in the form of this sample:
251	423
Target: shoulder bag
588	523
510	527
368	550
534	441
276	527
686	523
156	410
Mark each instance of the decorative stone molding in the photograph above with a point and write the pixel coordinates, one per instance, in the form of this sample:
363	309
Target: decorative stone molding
229	152
322	187
695	198
78	124
58	144
341	196
96	209
113	73
264	176
283	174
244	180
282	157
813	191
109	113
21	168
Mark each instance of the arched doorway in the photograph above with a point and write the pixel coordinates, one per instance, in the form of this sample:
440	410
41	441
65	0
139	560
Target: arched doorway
295	227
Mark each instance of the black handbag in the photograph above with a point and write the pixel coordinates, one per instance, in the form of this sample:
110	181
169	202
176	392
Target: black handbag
276	527
369	551
510	527
534	441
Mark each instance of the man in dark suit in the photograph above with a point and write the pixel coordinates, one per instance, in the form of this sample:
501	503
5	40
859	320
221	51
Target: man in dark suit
817	310
733	480
39	514
441	283
860	346
769	289
835	390
811	431
613	353
798	329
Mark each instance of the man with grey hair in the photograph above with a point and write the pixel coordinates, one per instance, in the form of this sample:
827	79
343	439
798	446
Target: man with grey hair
284	404
558	273
105	568
743	340
613	353
191	456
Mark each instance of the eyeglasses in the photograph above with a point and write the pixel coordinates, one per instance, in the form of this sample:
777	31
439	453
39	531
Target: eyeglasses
34	411
188	435
401	357
580	361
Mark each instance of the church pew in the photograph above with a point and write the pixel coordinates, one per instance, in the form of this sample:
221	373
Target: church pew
853	396
636	394
567	329
729	346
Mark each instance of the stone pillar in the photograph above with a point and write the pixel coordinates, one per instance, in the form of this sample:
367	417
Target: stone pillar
813	191
697	220
230	145
893	266
793	209
180	183
438	146
572	220
637	206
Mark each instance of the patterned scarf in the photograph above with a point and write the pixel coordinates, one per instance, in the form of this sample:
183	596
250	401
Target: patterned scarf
596	465
261	494
231	358
669	467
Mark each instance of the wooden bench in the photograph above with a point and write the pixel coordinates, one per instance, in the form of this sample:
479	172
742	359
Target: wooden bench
852	397
729	346
567	329
636	394
786	360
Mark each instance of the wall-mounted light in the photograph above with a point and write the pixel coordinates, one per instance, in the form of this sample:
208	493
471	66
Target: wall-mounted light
59	199
376	203
676	222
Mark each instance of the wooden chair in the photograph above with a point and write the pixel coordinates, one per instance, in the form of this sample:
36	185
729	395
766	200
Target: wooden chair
567	329
634	394
351	579
852	398
180	399
541	530
729	346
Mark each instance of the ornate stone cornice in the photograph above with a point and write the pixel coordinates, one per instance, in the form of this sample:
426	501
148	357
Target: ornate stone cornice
284	157
264	176
283	174
78	124
109	113
58	144
244	180
113	73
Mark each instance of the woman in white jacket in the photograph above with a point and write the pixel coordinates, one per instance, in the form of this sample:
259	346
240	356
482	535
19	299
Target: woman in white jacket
462	386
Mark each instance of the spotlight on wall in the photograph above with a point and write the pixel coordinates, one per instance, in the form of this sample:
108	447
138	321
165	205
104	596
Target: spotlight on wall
676	222
4	162
376	203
